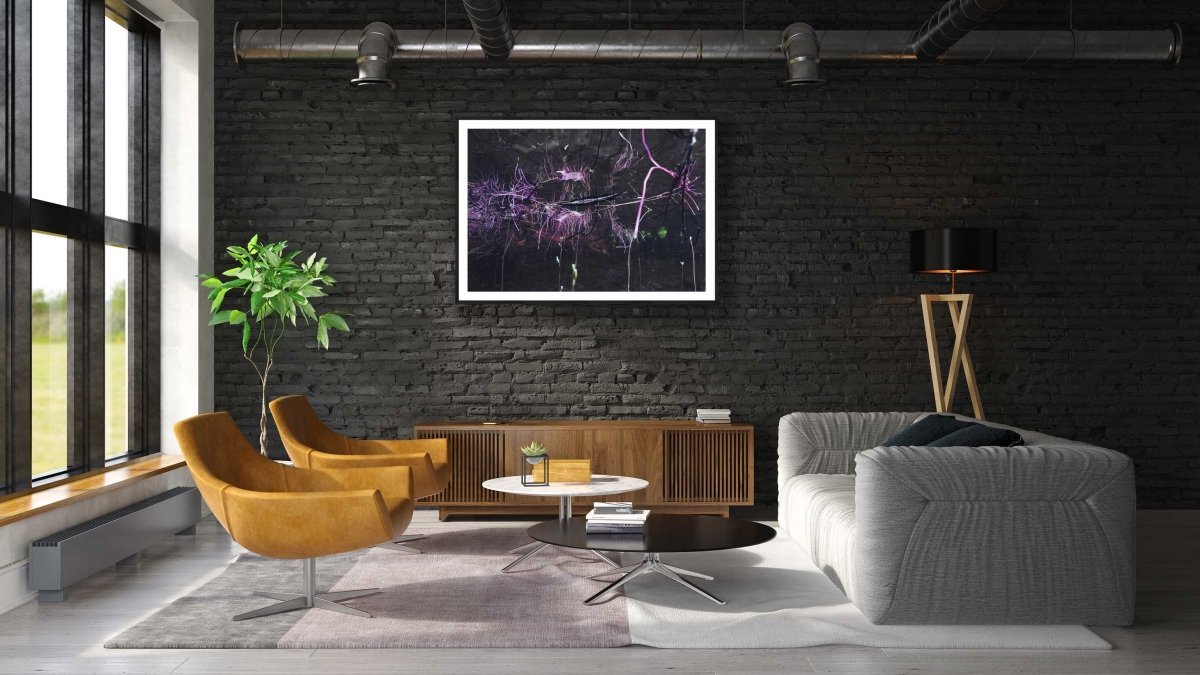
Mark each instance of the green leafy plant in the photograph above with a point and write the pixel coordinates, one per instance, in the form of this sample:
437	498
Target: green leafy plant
275	291
534	449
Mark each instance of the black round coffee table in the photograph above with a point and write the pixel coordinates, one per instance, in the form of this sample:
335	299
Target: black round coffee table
664	533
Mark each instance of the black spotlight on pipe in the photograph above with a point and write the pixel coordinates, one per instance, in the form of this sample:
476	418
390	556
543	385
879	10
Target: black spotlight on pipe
803	53
375	50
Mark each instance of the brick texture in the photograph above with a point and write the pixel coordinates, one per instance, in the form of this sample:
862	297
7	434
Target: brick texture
1091	174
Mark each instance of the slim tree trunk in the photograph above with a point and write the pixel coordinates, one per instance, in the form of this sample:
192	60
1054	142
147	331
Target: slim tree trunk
262	419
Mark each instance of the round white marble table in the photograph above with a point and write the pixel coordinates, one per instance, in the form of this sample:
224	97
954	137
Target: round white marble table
599	486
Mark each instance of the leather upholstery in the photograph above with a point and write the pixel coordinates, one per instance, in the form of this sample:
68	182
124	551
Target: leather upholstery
313	445
287	512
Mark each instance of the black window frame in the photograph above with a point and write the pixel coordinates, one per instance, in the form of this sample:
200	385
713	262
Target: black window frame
88	231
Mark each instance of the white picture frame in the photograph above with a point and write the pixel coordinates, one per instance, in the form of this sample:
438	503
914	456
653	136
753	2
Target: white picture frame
586	211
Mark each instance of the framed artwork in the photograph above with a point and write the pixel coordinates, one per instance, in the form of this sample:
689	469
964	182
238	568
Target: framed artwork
586	210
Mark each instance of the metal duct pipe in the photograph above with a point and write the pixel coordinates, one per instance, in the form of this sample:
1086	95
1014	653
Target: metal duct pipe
1010	46
489	18
950	24
803	54
583	46
376	45
693	46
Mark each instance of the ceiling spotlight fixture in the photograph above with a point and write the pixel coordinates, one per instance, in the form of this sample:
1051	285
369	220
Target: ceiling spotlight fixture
375	50
803	53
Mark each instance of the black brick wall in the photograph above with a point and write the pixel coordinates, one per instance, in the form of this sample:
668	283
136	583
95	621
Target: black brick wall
1092	175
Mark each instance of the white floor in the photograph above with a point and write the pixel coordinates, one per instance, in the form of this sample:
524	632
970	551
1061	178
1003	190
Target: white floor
68	637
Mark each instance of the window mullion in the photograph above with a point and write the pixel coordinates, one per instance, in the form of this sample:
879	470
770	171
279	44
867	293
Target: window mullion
16	399
135	328
145	354
86	255
94	205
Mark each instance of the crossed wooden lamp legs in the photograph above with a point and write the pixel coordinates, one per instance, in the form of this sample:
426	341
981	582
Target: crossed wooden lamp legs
960	356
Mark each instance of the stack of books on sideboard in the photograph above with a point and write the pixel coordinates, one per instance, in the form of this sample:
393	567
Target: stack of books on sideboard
712	415
616	518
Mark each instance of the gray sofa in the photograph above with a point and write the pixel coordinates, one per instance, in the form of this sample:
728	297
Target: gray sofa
1041	533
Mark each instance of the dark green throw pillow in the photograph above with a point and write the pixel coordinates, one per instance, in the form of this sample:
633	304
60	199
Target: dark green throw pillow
978	435
925	430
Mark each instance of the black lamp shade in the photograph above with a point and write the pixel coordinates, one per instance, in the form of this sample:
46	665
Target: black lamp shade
953	250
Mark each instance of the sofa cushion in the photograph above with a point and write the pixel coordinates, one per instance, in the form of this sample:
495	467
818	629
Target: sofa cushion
817	512
926	430
1029	437
977	436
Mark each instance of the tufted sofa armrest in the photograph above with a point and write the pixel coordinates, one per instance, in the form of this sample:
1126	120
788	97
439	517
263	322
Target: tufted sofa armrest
992	535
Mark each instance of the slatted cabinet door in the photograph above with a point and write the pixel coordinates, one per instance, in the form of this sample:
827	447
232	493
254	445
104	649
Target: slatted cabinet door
704	466
475	456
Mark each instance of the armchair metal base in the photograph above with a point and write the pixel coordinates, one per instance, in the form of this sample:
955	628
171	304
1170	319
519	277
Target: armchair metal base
309	599
398	546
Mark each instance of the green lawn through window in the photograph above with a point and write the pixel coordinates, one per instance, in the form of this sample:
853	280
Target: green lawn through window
50	403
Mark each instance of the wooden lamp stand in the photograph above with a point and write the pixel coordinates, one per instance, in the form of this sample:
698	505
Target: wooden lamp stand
960	355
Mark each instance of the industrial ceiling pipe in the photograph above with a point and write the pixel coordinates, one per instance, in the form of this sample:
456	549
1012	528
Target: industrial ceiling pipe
802	51
836	47
376	45
951	23
489	18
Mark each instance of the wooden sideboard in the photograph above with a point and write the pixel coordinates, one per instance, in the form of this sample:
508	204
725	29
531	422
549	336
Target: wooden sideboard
691	467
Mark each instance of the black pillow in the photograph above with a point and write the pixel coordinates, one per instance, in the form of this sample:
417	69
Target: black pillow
926	429
978	435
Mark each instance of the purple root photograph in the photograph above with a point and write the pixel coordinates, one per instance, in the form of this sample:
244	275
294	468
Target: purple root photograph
596	213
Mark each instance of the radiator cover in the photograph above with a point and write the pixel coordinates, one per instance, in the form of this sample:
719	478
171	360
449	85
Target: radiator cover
63	558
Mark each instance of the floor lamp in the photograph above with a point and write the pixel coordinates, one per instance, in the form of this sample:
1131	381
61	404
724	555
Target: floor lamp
952	251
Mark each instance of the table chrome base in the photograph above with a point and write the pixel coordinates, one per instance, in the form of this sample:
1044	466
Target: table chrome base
677	570
537	549
564	514
652	563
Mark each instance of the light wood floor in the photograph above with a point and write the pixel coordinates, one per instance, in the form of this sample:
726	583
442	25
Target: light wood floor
68	637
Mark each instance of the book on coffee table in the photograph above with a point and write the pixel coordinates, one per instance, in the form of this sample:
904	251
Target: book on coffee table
617	523
601	528
603	508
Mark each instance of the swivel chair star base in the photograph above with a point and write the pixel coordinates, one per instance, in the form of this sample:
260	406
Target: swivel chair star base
309	599
398	545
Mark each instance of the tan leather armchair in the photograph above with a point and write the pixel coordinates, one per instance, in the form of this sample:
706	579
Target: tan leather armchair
279	511
313	445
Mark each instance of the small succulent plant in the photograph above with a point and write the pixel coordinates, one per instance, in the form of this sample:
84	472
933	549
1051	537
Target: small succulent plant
534	449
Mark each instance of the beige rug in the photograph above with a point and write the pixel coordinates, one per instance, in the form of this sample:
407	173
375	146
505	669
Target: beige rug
454	595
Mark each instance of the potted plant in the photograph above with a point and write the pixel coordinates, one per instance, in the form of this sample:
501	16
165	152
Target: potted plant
535	453
275	291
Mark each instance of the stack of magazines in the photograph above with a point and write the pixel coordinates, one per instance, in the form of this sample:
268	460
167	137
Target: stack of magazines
616	518
712	415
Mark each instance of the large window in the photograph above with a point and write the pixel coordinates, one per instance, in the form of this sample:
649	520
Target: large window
48	315
78	233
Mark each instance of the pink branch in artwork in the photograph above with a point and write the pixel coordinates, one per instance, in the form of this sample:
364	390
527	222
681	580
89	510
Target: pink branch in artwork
637	222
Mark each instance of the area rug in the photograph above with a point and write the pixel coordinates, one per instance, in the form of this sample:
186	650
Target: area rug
454	595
